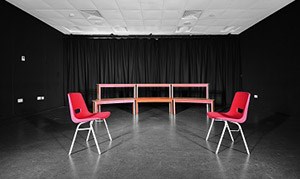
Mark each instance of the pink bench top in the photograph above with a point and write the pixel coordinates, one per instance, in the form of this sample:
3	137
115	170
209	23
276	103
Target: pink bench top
113	100
192	100
153	99
153	85
116	85
190	85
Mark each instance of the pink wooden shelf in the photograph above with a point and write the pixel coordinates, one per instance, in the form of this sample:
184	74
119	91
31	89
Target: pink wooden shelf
116	85
153	85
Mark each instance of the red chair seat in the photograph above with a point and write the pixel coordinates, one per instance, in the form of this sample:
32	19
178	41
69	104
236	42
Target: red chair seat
93	116
236	117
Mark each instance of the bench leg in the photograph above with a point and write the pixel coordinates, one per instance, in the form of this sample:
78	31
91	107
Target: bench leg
95	107
136	107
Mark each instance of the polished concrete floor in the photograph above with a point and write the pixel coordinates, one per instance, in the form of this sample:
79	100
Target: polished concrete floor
153	144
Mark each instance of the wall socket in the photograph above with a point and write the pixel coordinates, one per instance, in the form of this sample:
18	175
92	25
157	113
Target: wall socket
23	58
256	96
20	100
40	98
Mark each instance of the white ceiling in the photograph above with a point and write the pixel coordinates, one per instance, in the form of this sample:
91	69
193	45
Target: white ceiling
142	17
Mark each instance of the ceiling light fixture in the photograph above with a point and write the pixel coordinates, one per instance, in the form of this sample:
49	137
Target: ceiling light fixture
72	29
92	14
120	29
191	14
230	29
183	29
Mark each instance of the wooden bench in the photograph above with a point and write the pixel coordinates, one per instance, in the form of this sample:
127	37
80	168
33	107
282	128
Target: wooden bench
205	100
100	101
153	99
135	100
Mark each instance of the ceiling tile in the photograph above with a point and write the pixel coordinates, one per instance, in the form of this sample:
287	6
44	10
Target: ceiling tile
242	4
215	22
132	14
232	13
59	4
170	22
220	4
80	22
197	4
199	29
151	4
270	4
36	4
212	14
83	5
129	4
152	22
174	4
106	4
117	22
171	14
169	29
111	14
151	14
61	22
214	29
134	23
71	14
136	29
151	29
49	14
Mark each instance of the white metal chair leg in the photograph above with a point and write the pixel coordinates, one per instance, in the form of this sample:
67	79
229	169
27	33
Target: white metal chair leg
107	130
74	138
88	136
211	124
229	131
95	139
220	141
245	143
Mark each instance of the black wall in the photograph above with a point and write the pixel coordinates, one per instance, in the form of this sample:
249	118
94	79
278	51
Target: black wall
270	55
41	73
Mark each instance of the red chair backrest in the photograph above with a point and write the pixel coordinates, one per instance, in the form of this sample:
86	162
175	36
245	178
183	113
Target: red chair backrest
239	106
77	107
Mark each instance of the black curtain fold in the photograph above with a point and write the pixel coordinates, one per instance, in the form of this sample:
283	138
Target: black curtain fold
205	59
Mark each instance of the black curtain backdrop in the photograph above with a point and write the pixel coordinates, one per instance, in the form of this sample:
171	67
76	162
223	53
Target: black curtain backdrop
204	59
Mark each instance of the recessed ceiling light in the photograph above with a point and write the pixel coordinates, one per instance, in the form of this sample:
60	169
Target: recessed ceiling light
183	29
191	14
119	29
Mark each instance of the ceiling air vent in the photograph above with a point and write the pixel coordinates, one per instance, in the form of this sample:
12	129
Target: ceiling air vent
92	14
191	14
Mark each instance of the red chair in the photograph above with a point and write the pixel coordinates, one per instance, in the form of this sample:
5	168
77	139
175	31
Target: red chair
81	115
236	115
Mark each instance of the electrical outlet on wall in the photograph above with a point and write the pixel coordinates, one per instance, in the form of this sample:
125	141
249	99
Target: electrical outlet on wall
255	96
20	100
23	58
40	98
